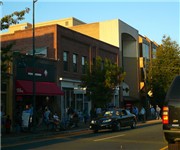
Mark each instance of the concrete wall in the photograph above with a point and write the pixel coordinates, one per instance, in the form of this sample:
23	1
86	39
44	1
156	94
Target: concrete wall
109	32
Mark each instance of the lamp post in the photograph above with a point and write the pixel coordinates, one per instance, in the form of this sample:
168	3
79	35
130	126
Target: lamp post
34	82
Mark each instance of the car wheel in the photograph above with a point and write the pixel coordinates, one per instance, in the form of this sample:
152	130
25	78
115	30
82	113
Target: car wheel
133	124
117	127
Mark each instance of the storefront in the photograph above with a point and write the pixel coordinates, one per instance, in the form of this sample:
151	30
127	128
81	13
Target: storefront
47	92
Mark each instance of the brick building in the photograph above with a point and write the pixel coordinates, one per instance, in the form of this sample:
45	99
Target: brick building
68	50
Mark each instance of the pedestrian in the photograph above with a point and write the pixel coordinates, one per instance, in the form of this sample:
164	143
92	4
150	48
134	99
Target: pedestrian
142	114
153	113
8	124
56	121
135	111
158	110
47	116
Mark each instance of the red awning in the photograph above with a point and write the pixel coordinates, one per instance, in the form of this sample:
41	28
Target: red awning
42	88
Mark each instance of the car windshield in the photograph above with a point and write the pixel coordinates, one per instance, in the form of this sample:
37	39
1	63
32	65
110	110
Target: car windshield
109	113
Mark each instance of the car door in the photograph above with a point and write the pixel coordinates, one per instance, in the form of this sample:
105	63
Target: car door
124	118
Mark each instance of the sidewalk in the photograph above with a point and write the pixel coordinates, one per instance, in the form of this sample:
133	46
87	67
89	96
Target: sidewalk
14	138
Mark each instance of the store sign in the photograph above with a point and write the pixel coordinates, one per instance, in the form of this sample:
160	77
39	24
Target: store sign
38	72
44	70
19	90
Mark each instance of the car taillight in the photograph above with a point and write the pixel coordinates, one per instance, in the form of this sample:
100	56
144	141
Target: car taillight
165	115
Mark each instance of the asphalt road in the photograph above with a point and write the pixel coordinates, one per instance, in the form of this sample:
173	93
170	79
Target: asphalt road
142	138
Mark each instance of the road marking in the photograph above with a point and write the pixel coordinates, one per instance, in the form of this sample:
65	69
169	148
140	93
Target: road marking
111	137
164	148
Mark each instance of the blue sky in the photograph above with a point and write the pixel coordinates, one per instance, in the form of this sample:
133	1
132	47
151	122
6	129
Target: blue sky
151	18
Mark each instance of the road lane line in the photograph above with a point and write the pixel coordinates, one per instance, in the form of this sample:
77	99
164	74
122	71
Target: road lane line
111	137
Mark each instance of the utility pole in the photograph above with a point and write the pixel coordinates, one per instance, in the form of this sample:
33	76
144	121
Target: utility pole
34	82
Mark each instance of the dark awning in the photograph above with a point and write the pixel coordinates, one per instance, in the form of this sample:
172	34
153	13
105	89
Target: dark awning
42	88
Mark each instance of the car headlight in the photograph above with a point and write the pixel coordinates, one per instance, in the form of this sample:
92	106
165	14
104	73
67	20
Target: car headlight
93	121
108	120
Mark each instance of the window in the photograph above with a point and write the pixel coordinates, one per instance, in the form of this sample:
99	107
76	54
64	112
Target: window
154	53
102	65
74	62
145	51
65	61
83	64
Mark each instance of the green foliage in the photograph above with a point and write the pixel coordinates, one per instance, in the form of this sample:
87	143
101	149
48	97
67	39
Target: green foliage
13	18
6	58
163	69
100	80
6	51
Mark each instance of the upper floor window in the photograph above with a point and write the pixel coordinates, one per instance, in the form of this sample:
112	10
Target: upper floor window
74	62
83	64
65	61
154	53
145	51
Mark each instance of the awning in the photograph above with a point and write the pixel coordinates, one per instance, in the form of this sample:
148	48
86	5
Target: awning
42	88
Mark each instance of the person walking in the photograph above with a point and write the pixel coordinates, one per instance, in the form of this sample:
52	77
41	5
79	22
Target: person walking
142	114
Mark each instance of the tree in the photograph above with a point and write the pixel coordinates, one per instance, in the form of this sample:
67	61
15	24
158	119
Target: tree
101	81
163	68
6	52
13	18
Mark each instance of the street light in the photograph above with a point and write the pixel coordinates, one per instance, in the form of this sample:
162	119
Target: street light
34	82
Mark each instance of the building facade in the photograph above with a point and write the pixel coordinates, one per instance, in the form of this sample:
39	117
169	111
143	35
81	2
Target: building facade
69	50
122	35
78	42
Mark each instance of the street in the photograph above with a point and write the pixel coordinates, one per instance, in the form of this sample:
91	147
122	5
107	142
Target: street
141	138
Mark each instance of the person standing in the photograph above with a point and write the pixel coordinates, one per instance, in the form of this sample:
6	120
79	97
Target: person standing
158	109
135	111
142	114
153	113
47	117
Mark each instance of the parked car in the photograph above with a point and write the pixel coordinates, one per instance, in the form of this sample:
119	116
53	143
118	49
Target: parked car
171	112
114	120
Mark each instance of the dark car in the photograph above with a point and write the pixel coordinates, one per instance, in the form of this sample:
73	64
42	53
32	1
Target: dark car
114	120
171	112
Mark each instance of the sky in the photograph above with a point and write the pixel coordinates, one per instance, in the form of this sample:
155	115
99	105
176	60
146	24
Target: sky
152	18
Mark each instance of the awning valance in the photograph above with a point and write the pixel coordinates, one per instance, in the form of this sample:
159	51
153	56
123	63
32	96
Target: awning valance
41	88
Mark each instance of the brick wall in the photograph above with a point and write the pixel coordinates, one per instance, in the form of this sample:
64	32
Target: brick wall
58	39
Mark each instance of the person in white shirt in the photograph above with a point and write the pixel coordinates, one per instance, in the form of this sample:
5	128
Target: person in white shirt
158	110
142	114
